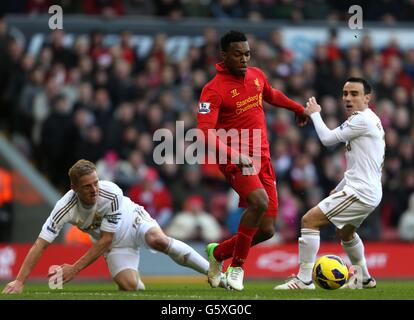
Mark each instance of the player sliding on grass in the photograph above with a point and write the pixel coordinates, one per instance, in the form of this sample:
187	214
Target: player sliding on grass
233	101
356	196
118	226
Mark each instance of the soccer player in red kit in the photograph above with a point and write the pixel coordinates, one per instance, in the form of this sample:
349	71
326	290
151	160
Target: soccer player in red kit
233	100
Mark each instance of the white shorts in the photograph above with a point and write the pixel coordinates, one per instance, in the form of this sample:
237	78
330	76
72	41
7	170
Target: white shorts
344	207
127	257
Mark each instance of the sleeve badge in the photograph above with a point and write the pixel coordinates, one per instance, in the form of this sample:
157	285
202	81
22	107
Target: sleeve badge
204	107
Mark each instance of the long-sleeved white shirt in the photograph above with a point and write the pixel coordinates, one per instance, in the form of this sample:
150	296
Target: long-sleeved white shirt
363	136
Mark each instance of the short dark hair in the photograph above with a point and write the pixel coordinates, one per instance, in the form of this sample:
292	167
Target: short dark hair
231	36
367	86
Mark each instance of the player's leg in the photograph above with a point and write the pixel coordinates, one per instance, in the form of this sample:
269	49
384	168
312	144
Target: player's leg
177	250
267	223
123	266
253	197
129	280
308	248
354	248
257	203
266	229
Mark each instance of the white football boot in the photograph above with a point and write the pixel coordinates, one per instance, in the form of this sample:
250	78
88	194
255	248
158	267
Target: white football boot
223	282
354	282
235	278
294	283
214	268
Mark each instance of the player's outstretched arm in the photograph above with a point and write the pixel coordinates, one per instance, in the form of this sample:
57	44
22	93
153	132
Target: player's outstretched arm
327	136
29	263
101	246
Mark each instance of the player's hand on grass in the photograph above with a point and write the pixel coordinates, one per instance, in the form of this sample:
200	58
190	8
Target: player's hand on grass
302	119
15	286
312	106
68	272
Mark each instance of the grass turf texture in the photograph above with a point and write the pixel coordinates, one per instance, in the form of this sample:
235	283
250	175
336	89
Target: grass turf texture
198	290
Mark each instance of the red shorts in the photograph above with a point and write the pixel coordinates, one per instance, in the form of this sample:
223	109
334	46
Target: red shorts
244	184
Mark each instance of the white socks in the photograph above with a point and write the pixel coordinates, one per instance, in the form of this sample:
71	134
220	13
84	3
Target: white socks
355	252
308	248
186	256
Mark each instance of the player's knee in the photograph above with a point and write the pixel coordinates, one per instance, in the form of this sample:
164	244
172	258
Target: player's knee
345	234
158	241
307	220
128	284
259	203
266	233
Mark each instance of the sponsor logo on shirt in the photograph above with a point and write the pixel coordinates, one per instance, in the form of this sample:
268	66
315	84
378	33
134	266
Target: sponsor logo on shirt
247	104
204	107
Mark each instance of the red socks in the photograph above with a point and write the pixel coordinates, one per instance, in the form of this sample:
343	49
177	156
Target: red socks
225	249
237	246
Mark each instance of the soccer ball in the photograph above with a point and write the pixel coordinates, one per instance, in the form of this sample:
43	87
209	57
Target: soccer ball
330	272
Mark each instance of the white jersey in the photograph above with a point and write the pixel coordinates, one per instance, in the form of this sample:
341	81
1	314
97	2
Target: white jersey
363	136
113	212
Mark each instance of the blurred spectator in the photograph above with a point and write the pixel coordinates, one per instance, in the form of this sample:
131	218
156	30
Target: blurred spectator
406	222
168	8
55	155
107	167
153	196
285	9
195	8
287	222
303	174
99	53
190	183
226	9
106	8
131	171
139	7
92	145
37	6
60	53
193	223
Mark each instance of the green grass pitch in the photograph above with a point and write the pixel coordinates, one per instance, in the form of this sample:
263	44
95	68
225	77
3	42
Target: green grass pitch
199	290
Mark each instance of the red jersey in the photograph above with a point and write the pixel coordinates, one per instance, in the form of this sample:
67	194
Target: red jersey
236	102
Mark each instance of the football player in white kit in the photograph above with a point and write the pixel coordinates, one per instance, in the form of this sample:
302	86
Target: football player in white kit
356	196
118	226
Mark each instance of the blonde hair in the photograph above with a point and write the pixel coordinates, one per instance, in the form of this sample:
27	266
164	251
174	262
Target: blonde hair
80	168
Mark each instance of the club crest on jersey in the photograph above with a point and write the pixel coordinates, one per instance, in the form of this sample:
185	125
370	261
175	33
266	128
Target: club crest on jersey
204	107
257	83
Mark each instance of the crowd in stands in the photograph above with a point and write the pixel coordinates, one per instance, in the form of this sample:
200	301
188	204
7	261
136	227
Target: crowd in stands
386	11
104	104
